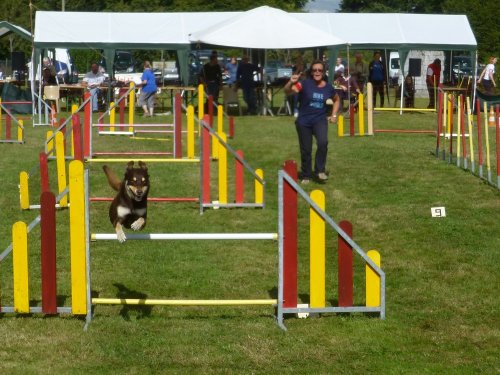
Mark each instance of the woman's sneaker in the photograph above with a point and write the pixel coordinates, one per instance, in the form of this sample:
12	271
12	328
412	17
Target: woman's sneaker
322	177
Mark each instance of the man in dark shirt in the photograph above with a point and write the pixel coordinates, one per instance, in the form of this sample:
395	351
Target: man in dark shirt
212	77
245	78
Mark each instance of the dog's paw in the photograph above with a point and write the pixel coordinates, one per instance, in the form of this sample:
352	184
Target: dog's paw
138	224
121	236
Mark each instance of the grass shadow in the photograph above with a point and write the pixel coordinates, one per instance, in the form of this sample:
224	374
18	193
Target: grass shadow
140	311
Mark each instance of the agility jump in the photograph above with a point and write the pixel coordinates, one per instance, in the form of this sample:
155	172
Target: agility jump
452	145
286	303
55	145
371	109
352	120
6	130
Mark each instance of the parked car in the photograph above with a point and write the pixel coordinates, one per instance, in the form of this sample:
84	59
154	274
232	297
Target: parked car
461	66
276	72
124	62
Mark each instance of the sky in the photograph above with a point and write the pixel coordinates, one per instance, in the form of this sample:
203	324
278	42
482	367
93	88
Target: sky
322	6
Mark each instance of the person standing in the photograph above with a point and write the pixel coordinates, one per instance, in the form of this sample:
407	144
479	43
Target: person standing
48	73
92	81
339	67
245	78
314	96
148	90
432	79
299	68
359	71
488	76
231	69
212	77
376	75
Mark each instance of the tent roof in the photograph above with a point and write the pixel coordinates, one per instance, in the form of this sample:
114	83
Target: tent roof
7	28
120	30
396	30
172	30
265	27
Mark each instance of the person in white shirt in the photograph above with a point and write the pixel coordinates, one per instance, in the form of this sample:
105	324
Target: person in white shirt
488	76
92	81
339	67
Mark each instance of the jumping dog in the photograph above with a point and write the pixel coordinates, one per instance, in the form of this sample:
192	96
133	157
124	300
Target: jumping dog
129	207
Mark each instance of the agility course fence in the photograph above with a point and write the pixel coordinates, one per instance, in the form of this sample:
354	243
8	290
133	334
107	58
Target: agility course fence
55	145
452	145
19	250
355	118
80	237
6	129
373	129
288	256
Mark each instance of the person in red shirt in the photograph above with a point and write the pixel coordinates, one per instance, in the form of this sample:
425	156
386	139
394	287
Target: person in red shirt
433	77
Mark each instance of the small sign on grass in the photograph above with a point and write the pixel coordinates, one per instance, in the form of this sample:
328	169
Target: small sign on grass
438	212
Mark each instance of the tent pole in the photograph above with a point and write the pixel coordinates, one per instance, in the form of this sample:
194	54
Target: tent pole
387	77
474	84
348	81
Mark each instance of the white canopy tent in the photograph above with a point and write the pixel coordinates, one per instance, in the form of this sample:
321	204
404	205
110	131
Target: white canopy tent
110	31
277	30
262	27
265	27
397	31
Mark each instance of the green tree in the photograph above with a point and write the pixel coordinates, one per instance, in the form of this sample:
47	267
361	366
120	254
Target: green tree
482	15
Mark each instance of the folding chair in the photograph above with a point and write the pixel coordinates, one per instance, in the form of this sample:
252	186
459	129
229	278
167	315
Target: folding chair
52	93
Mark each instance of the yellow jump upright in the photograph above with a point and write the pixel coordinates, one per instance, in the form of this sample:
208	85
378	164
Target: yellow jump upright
372	281
78	239
61	168
259	187
317	251
222	169
24	191
190	132
20	267
131	107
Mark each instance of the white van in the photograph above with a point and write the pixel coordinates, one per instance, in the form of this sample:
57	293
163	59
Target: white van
394	68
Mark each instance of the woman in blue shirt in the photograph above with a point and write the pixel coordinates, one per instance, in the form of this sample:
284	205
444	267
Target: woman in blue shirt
148	90
313	92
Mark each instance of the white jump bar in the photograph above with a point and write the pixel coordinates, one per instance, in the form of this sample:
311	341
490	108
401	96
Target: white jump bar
187	236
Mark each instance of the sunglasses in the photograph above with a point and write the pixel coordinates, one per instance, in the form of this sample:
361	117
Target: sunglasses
317	70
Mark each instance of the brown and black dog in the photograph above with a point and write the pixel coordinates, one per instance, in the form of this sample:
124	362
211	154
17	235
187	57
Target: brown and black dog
130	206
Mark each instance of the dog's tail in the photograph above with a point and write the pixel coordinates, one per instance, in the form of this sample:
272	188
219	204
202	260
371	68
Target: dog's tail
113	179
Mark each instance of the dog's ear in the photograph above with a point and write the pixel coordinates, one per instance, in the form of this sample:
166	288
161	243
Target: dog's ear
143	165
130	164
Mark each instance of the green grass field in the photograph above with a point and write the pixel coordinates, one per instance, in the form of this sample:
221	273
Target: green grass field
442	273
